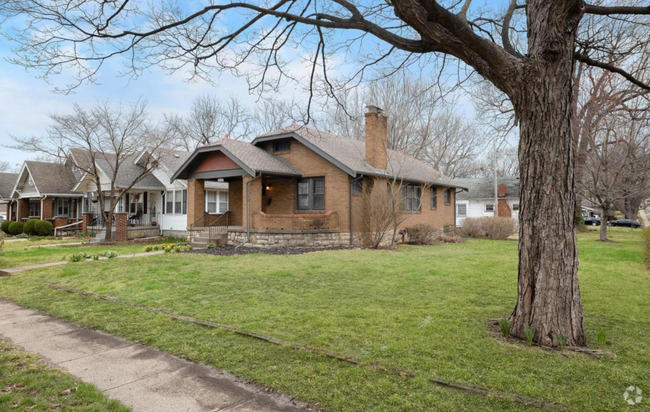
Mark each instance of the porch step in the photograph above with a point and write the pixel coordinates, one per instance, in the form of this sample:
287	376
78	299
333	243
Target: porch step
201	240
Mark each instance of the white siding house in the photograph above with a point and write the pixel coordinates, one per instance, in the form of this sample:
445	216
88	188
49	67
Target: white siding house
478	200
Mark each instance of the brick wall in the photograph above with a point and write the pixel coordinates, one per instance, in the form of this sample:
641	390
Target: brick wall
121	227
47	211
87	220
61	221
216	161
235	200
503	209
195	200
303	221
23	209
376	139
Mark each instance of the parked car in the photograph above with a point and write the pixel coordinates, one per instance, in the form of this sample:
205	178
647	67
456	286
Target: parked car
2	218
591	220
625	223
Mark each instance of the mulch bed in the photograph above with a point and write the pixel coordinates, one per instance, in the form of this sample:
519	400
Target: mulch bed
230	250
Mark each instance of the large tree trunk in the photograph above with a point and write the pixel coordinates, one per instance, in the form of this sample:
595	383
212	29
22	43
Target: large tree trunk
549	295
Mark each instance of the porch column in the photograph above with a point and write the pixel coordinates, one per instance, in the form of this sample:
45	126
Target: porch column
121	227
255	192
23	209
195	200
87	220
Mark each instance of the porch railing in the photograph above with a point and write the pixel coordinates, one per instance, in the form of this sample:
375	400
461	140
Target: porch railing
213	225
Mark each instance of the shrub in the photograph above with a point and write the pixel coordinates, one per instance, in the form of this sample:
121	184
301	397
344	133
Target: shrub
210	246
43	228
15	228
421	234
78	257
504	325
497	228
5	226
29	228
109	254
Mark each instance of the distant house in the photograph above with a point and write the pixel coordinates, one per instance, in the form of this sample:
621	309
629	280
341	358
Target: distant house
7	182
478	200
300	186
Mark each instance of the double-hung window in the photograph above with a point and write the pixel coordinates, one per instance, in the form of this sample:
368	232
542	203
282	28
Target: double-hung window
175	202
461	210
411	196
434	198
311	193
489	207
62	206
216	202
34	208
448	196
223	202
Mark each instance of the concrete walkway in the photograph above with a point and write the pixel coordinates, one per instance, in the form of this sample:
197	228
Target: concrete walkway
142	378
644	218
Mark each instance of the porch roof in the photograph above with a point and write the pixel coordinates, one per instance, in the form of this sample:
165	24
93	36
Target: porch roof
250	159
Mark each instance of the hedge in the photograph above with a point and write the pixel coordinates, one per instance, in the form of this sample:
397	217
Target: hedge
4	226
15	228
28	228
43	228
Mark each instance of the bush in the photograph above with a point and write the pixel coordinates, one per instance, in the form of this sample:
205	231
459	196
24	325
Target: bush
15	228
498	228
5	226
421	234
43	227
28	228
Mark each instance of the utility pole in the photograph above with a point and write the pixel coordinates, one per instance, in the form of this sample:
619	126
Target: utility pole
496	185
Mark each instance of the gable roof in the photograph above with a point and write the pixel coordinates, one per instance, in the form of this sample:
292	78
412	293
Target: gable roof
350	156
483	188
128	171
51	178
250	158
7	183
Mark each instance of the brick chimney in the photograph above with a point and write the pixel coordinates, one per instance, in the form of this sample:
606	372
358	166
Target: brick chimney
376	138
502	190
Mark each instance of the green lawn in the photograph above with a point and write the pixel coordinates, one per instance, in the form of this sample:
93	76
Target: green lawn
25	253
28	384
420	309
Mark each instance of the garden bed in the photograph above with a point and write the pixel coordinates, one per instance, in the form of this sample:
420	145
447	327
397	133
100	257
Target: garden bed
232	250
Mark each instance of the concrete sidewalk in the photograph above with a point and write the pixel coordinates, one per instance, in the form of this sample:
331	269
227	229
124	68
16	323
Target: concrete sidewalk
140	377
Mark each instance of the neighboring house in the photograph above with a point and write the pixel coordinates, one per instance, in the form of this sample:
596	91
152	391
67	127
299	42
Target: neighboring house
299	186
478	200
44	191
7	183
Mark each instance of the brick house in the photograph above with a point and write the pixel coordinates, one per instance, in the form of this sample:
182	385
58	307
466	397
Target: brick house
299	186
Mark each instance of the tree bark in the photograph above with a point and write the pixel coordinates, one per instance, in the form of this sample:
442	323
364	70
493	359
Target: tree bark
549	295
603	226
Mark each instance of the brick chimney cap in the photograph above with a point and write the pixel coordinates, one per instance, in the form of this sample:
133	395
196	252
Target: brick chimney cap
374	109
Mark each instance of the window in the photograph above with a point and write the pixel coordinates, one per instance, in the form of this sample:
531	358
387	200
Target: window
515	207
281	146
411	196
62	207
136	203
434	198
34	208
211	202
357	187
461	210
223	202
489	207
311	193
175	202
448	196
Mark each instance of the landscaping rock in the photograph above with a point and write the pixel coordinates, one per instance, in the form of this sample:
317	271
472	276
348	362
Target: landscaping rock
230	250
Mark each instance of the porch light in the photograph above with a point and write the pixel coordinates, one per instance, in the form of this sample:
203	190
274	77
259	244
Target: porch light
268	187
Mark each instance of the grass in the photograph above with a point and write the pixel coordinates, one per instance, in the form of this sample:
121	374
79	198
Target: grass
421	309
28	384
24	253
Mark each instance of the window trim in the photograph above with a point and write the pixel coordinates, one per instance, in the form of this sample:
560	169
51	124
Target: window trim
515	209
167	200
486	208
62	203
458	205
434	198
310	193
448	196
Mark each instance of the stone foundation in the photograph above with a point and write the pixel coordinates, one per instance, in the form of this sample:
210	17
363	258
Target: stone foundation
289	238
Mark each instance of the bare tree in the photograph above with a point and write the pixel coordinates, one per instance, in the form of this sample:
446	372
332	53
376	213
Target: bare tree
108	138
5	166
535	71
618	166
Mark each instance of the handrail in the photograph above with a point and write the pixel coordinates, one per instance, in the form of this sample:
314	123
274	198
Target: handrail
68	225
203	222
214	229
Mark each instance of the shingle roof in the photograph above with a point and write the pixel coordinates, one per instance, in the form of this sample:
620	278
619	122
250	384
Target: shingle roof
127	171
51	178
351	154
484	188
258	159
7	183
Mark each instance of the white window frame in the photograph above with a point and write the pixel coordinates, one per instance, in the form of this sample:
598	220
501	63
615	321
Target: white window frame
220	201
62	203
458	206
486	208
176	198
515	207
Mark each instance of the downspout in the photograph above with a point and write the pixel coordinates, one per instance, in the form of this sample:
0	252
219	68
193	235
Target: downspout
248	212
350	211
42	199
